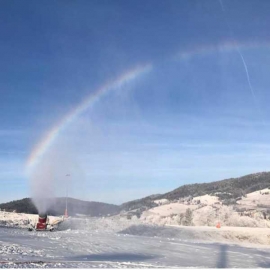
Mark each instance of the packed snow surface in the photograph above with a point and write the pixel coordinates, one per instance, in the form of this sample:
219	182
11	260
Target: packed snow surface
116	242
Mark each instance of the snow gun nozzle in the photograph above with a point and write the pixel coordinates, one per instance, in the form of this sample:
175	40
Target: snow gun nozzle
42	216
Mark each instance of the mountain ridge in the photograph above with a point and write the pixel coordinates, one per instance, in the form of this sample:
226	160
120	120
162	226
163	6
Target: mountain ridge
228	191
58	206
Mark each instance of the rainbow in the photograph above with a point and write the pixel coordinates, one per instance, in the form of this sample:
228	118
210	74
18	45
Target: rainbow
43	146
224	47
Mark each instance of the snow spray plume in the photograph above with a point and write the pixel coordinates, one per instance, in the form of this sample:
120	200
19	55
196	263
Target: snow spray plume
42	189
47	172
45	144
49	180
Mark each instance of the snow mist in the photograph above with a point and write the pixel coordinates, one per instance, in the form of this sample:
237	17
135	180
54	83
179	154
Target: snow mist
49	179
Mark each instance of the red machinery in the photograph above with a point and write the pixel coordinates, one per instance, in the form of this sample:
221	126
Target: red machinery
42	224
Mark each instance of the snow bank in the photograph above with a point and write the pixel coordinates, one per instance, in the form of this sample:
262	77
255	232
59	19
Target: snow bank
15	219
236	235
158	231
20	220
209	215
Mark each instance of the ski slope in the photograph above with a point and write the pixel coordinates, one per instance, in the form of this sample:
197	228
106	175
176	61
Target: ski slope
93	243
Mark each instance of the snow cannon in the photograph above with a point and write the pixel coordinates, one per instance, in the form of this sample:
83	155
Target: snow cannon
42	223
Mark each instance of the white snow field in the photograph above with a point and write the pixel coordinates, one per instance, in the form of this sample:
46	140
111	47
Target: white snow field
116	242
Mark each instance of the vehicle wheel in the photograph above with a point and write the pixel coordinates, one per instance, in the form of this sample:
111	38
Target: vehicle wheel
30	229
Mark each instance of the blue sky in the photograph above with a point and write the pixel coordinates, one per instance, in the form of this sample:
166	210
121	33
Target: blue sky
188	120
